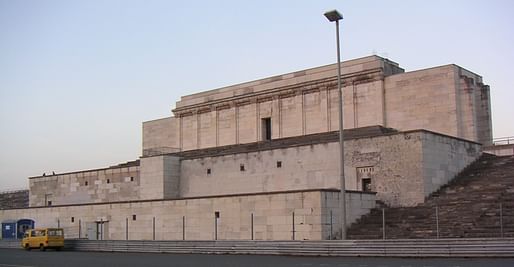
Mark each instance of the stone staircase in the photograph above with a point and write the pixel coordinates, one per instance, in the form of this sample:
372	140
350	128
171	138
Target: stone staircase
467	207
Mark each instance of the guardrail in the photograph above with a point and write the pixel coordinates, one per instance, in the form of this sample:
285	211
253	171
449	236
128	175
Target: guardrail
481	247
503	140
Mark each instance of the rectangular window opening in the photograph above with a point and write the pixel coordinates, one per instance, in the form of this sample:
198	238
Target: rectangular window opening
72	219
134	217
279	164
132	178
242	167
366	184
266	129
108	181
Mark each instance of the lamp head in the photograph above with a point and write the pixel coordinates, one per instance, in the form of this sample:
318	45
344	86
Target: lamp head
333	15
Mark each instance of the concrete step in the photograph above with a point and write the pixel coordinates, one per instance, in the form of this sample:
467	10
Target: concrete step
468	206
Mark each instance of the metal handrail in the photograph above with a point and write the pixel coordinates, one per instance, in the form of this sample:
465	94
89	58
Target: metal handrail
503	140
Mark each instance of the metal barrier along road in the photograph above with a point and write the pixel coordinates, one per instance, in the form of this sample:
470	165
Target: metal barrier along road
480	247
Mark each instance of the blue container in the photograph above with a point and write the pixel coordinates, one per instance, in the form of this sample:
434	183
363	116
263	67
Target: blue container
9	229
23	225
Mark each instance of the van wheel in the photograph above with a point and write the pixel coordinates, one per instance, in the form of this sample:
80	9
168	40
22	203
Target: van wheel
27	247
41	247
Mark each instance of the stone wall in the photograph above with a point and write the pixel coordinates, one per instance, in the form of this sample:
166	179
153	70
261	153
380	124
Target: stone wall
392	162
403	167
500	150
424	99
14	199
91	186
447	99
160	136
160	177
294	168
358	204
444	157
475	107
272	217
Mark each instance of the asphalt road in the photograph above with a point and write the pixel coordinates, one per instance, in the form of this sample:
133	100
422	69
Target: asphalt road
21	258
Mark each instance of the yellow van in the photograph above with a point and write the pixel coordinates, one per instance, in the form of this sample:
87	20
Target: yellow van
43	238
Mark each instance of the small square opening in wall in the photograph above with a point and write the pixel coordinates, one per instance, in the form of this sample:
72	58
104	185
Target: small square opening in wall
108	181
72	219
49	203
217	214
242	167
132	178
279	164
134	217
209	171
86	183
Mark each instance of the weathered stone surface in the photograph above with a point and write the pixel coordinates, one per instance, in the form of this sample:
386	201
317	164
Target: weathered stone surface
116	183
446	99
14	199
469	206
272	217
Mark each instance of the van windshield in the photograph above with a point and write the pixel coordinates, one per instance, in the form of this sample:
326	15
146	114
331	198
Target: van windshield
55	232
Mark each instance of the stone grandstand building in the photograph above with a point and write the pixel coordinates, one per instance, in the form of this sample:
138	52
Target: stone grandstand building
259	160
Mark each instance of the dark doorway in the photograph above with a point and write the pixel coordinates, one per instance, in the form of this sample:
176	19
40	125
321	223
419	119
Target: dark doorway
366	184
266	129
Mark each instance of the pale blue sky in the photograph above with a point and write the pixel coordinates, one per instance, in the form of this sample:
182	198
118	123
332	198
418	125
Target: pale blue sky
77	78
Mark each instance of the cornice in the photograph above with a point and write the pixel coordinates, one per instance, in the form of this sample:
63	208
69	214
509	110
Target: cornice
281	92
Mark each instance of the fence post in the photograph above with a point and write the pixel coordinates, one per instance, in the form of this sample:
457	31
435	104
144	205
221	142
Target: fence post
437	220
331	226
80	229
183	227
383	224
501	220
101	229
252	225
126	229
293	226
153	226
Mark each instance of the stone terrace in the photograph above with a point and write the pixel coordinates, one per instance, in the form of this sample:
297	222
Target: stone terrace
355	133
468	207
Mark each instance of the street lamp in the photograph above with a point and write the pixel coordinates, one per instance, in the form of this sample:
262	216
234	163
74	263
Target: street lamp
332	16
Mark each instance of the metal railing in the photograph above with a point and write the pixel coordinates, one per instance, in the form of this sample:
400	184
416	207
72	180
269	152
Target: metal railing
78	229
440	223
503	140
480	247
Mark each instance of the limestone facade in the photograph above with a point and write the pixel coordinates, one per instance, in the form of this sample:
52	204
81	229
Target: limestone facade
265	216
268	148
402	167
117	183
446	99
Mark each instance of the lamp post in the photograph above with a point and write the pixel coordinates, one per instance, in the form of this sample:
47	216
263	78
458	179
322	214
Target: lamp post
335	16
